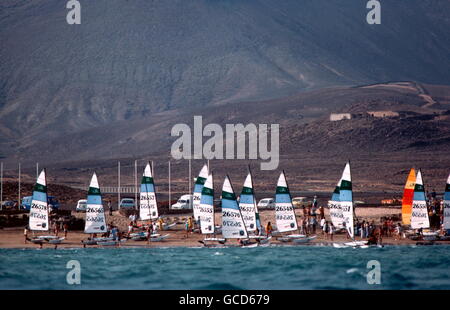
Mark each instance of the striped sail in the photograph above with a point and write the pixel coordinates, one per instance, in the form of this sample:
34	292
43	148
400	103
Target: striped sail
346	200
334	205
199	182
232	222
419	214
95	214
206	209
407	200
247	204
39	205
148	208
284	210
447	205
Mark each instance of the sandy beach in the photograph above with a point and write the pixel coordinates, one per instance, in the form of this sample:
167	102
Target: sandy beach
12	237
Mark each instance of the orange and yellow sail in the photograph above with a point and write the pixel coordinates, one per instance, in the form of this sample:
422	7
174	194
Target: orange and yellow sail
408	194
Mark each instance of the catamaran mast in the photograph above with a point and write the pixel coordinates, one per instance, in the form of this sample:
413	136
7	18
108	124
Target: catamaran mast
254	202
154	187
213	213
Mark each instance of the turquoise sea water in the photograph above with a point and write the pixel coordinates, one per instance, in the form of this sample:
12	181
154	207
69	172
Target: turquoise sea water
296	267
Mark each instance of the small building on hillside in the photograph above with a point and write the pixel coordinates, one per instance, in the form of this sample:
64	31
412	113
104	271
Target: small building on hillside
383	114
393	201
339	116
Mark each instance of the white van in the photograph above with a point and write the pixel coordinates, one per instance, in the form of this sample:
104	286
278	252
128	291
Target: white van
185	202
266	203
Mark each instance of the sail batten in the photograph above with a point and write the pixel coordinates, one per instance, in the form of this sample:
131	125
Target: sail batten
95	213
419	214
148	208
38	219
232	222
284	210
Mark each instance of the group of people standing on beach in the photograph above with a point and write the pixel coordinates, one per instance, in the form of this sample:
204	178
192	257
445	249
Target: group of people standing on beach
56	227
313	218
151	228
311	222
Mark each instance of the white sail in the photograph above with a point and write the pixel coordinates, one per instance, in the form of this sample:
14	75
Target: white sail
206	209
95	213
334	205
148	208
346	200
232	223
447	205
198	187
247	204
419	215
38	219
284	210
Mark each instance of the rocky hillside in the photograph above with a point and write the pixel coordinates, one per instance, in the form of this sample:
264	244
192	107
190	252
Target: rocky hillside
368	134
129	60
313	149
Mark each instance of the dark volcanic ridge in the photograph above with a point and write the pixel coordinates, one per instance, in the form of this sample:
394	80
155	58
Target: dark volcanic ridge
422	123
130	60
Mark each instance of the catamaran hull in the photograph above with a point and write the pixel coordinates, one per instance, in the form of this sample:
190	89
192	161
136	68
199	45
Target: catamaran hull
304	240
55	241
89	242
262	239
107	243
159	238
431	236
296	238
168	226
47	239
213	242
356	245
253	245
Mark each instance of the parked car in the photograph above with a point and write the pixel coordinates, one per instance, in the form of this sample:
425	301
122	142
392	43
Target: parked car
9	204
81	205
26	202
127	203
52	202
184	202
266	203
299	202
